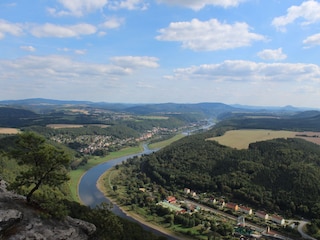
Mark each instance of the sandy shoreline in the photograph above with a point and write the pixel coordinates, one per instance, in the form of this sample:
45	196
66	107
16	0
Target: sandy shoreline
101	187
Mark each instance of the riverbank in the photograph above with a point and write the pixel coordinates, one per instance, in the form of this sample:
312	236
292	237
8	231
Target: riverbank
76	175
108	194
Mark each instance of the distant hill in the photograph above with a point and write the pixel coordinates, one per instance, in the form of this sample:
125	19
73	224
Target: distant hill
12	117
303	121
206	109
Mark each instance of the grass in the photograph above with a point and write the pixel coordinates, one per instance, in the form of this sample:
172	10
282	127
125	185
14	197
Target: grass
166	142
75	175
240	139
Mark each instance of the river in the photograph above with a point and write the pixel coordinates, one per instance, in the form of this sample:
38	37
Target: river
91	196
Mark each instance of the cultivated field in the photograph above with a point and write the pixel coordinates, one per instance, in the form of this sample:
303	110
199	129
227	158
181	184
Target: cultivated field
58	126
310	136
9	130
240	139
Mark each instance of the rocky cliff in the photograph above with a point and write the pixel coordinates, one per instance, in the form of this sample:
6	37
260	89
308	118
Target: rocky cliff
18	220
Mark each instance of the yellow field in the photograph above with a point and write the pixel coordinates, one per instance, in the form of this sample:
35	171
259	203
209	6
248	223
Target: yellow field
58	126
154	117
9	131
240	139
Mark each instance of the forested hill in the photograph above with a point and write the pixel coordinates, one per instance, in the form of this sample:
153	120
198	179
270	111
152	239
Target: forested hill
15	116
277	175
303	121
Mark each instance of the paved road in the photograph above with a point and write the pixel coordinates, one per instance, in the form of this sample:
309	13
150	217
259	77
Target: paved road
301	226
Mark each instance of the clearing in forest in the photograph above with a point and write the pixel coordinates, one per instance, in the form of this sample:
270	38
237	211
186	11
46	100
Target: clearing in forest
240	139
9	131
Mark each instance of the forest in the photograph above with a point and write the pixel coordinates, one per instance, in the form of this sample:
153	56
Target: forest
280	175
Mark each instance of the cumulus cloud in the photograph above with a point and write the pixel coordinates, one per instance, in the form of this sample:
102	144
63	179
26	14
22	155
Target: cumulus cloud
28	48
9	28
239	70
52	30
199	4
56	67
78	7
112	23
312	40
272	54
308	10
135	61
209	35
128	4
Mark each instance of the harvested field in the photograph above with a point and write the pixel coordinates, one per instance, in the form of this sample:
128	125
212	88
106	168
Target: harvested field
310	136
58	126
9	131
240	139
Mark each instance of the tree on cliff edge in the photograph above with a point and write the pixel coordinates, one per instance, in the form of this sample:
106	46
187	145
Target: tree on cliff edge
43	164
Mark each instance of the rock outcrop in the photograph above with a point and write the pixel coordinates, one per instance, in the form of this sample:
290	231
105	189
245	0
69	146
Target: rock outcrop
20	221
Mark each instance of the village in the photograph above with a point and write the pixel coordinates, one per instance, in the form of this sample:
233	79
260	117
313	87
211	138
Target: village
260	224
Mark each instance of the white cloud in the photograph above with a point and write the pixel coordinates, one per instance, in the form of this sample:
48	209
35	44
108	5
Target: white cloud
308	10
28	48
79	7
128	4
63	77
272	54
246	71
135	61
52	30
209	35
56	67
312	40
9	28
199	4
112	23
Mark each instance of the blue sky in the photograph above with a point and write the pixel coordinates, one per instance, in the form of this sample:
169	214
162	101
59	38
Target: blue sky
254	52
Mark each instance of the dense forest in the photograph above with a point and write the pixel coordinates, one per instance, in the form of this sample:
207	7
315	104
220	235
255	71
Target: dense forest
280	175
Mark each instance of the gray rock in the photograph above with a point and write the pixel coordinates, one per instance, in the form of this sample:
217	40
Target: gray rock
9	218
16	214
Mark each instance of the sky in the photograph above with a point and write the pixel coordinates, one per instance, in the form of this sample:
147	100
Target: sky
251	52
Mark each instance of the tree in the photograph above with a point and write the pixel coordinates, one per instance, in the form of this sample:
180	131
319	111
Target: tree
44	164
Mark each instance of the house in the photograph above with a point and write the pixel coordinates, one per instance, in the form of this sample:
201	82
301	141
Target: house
186	190
245	210
221	203
262	215
193	193
171	199
277	219
232	206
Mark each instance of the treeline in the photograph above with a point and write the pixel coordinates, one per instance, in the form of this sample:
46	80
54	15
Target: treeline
305	121
278	175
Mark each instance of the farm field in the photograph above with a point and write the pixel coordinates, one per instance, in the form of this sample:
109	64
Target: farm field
240	139
9	131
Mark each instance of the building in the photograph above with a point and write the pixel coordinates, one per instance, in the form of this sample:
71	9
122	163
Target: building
277	219
262	215
171	199
187	190
245	210
232	206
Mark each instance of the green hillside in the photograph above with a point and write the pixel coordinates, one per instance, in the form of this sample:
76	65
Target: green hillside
278	175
